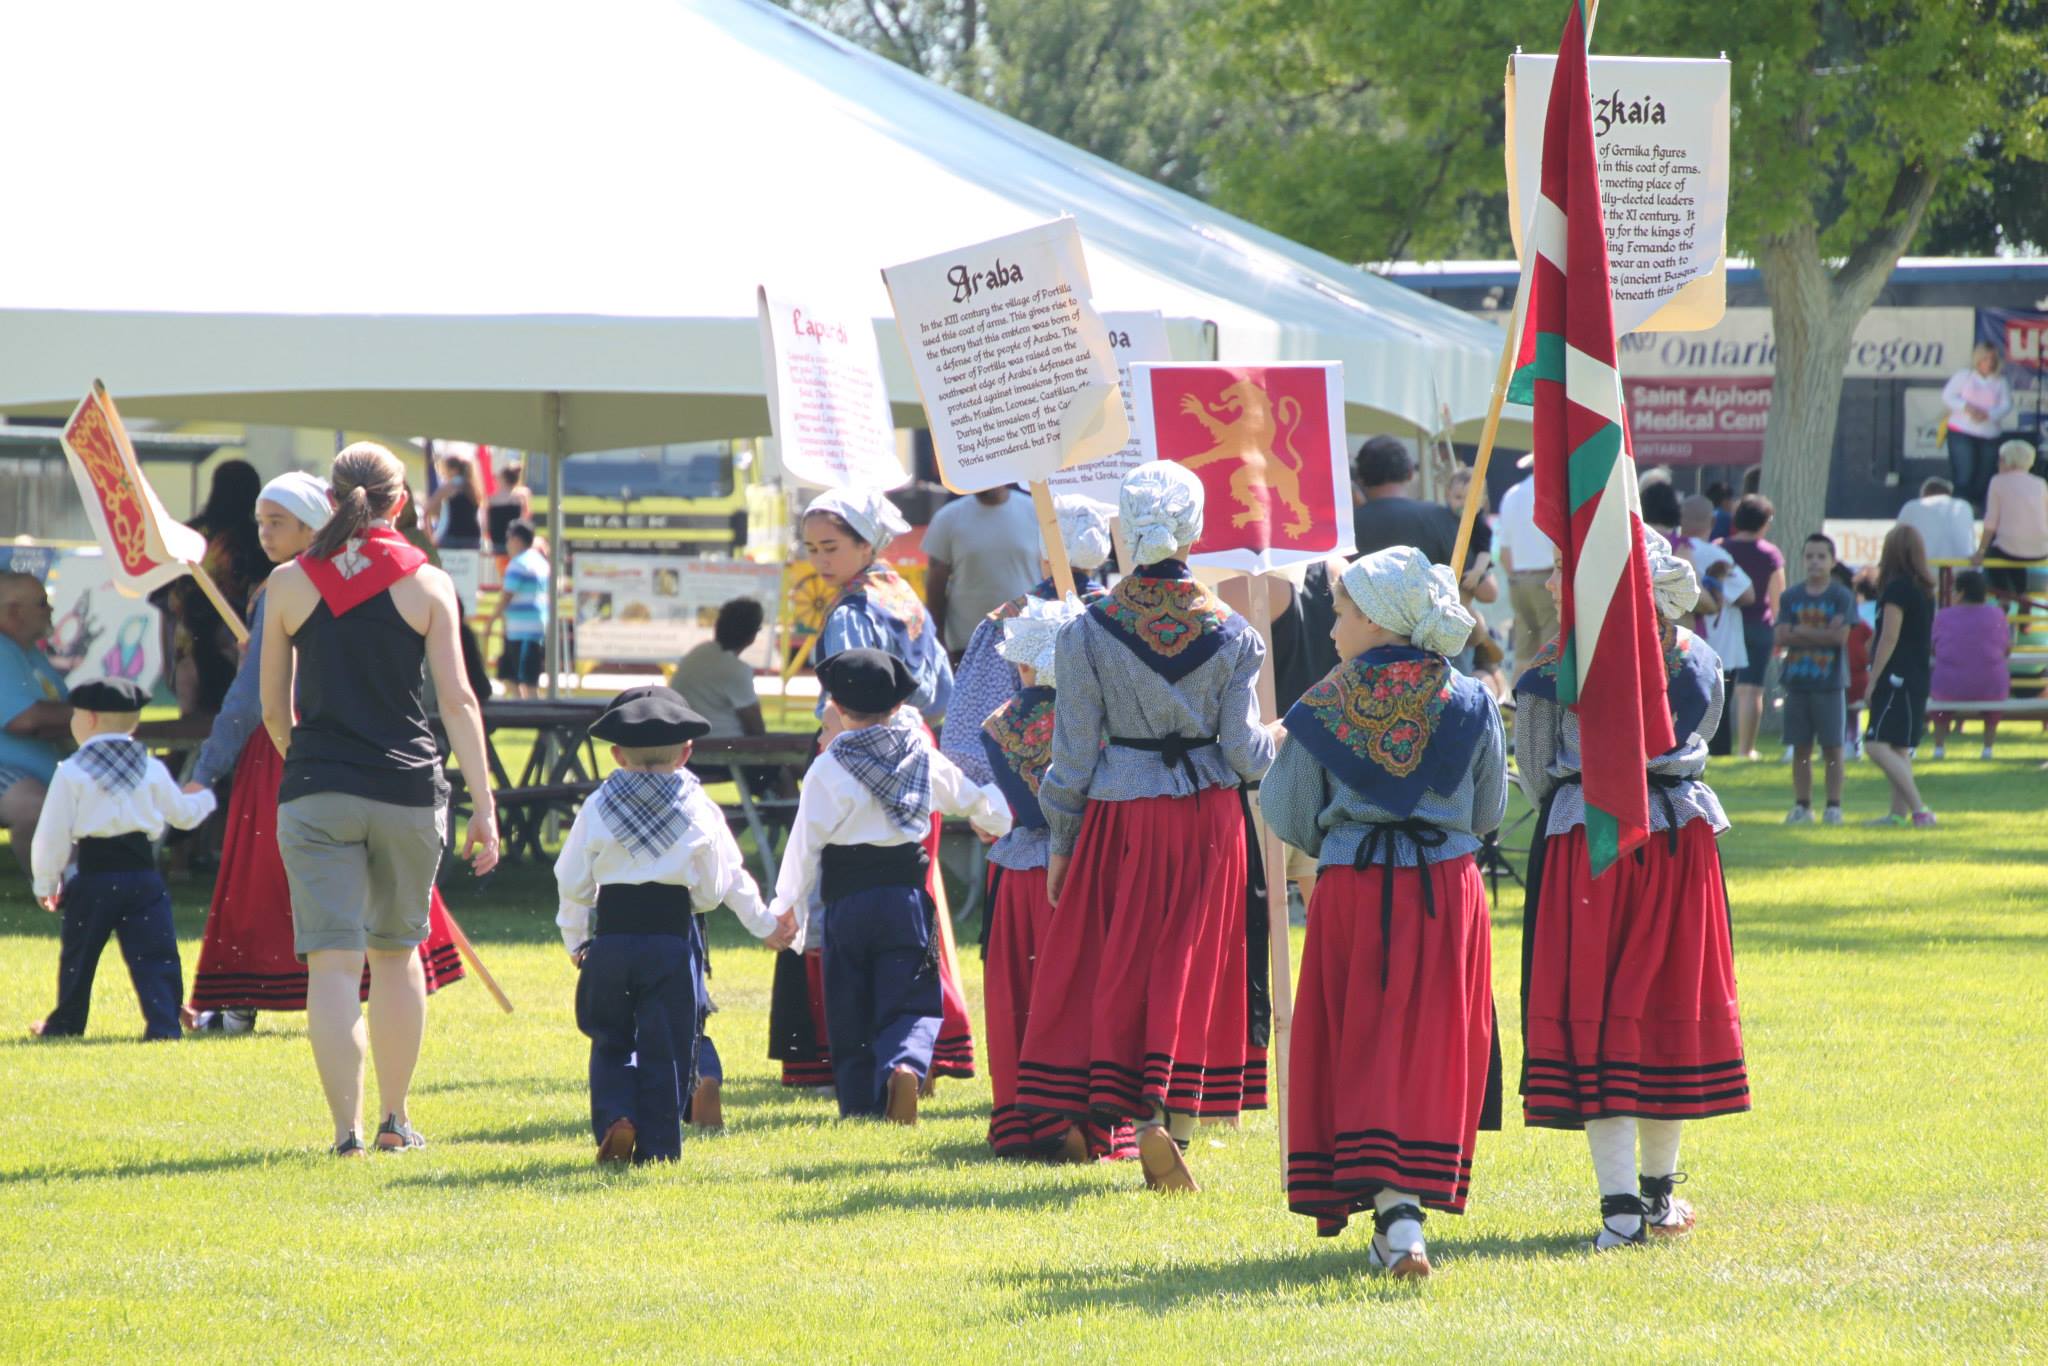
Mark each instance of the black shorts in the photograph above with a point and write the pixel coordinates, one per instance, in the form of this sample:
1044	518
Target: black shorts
521	661
2013	581
1898	713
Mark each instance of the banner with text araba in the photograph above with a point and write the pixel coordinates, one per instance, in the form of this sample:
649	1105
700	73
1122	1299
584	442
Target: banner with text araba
1661	127
145	548
1267	442
827	403
1014	365
1133	337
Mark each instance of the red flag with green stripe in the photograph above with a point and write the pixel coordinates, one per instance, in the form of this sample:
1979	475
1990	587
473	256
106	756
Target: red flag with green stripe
1612	672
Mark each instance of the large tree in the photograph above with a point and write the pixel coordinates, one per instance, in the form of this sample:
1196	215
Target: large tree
1376	133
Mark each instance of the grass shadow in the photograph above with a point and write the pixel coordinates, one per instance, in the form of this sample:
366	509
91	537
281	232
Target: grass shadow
196	1164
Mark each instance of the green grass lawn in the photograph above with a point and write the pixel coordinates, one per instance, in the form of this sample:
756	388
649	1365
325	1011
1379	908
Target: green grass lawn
1883	1201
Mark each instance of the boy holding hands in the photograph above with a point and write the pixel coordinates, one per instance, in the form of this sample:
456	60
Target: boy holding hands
1813	627
856	867
112	799
646	851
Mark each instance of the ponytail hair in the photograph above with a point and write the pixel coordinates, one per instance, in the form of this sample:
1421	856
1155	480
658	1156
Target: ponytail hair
368	483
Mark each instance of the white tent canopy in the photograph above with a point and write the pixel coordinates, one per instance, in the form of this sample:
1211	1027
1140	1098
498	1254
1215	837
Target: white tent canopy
543	226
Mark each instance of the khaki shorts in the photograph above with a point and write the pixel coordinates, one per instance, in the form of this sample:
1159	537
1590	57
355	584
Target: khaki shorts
361	872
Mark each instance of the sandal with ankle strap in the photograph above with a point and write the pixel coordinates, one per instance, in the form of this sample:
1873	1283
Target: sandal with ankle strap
1664	1214
407	1136
1407	1264
352	1146
1617	1207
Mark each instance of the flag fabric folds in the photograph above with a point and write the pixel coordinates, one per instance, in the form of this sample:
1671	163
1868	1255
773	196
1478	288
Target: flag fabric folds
1612	670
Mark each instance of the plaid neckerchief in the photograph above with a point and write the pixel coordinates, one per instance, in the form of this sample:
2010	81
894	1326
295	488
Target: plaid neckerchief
116	766
893	763
644	811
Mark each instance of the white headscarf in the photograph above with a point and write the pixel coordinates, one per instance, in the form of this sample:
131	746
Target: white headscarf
1084	529
1161	505
871	515
1029	637
1401	590
1673	581
304	496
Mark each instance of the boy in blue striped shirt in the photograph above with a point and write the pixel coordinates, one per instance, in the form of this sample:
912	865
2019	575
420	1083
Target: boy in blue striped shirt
523	607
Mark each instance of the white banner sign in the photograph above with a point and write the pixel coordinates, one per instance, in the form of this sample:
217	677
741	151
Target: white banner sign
1890	343
656	608
96	630
1015	367
1133	337
466	569
1926	424
1661	126
826	399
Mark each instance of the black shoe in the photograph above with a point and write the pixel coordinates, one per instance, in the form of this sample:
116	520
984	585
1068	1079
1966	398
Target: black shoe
1614	1207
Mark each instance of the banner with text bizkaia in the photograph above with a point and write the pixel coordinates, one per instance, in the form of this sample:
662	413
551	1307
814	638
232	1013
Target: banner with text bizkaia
1014	364
1661	127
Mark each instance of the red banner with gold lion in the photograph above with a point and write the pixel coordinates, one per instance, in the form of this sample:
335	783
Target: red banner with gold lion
1267	443
146	548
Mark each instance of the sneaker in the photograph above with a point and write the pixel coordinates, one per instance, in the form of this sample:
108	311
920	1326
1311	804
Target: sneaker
1831	816
1985	753
1786	757
1889	818
1799	815
1923	820
1941	751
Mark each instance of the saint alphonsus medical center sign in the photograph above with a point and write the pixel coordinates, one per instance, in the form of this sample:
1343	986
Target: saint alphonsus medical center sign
1704	398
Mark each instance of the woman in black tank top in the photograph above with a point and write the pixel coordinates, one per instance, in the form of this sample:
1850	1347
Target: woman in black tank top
451	509
350	629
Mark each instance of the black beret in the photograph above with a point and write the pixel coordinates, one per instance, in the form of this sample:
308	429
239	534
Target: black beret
110	694
653	717
867	681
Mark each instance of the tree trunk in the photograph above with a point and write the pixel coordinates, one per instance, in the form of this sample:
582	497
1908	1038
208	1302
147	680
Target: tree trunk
1806	385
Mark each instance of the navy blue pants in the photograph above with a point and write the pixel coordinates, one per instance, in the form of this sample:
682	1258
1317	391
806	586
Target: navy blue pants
640	999
881	992
135	909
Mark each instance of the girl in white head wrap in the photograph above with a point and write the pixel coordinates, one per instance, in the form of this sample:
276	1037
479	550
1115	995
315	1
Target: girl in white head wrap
303	495
868	513
1673	581
1161	505
1399	590
1084	530
1029	637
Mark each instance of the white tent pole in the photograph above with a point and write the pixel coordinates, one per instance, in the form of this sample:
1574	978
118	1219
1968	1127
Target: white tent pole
558	547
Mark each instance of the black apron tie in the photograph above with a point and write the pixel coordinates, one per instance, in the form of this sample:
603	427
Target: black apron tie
1661	785
1385	837
1175	750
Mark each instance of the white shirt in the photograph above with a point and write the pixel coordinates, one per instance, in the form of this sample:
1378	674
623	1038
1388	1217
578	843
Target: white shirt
1990	394
992	555
1724	628
78	808
1516	541
706	861
1946	523
836	809
716	683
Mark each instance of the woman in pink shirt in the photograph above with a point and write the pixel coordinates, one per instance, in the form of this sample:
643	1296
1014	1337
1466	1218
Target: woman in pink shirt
1971	642
2015	518
1978	400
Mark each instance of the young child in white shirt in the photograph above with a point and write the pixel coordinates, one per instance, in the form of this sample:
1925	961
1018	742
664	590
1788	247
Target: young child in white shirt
646	851
112	799
856	866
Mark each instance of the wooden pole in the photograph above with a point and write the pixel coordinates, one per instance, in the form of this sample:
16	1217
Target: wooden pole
469	952
1504	373
1049	532
1275	854
219	601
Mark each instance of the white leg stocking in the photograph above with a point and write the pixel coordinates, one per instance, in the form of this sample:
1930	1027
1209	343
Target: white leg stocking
1613	1142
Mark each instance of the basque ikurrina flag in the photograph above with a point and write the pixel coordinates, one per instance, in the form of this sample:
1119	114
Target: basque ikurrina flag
1612	670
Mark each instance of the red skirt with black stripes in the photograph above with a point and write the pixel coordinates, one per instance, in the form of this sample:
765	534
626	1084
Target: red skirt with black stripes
1630	987
1387	1082
246	959
1139	997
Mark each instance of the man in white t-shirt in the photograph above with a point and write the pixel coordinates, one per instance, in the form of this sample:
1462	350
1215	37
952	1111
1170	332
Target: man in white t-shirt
1528	556
984	551
1944	521
1722	630
716	682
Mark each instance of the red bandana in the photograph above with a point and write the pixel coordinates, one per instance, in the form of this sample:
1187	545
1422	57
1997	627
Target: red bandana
365	566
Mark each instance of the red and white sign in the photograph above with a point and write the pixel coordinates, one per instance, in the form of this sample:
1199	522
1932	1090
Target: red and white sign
1268	445
144	547
1697	421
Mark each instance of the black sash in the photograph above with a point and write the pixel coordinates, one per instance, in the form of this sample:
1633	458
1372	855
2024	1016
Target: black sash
849	869
645	908
129	853
1173	750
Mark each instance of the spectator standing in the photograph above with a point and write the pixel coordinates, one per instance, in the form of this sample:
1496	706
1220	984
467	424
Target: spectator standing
32	699
1723	499
1389	516
984	550
512	502
1978	400
1528	556
452	509
1899	671
716	682
1814	617
1945	522
1862	637
1972	641
1764	563
2015	518
523	607
1724	591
